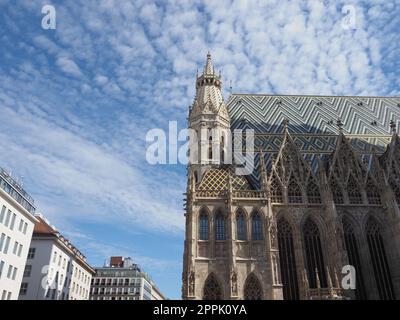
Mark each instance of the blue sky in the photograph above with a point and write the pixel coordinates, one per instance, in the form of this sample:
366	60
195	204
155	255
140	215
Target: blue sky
76	102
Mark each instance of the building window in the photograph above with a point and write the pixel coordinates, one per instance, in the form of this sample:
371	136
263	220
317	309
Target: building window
354	256
336	192
353	190
2	214
21	225
294	192
275	190
212	290
8	218
1	267
23	289
256	226
373	194
25	228
28	270
20	250
252	288
2	239
287	261
203	228
31	253
6	245
314	255
379	260
14	216
241	233
219	227
313	193
15	249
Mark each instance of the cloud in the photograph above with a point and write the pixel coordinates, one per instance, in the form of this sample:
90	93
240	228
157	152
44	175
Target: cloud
69	66
76	102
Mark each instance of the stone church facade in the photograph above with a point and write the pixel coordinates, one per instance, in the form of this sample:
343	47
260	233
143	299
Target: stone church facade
325	194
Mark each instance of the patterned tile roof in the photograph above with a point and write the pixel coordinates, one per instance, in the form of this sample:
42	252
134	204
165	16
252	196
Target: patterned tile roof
217	179
312	122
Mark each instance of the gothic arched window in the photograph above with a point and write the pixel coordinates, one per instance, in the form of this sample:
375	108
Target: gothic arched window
287	261
336	192
219	226
373	194
256	226
353	190
294	192
354	256
212	290
313	194
222	149
241	229
276	190
252	288
314	256
379	261
203	226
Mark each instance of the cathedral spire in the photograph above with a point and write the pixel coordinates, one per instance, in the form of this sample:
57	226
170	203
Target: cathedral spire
209	68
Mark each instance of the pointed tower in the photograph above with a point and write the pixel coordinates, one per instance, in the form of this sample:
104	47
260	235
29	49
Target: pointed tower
209	118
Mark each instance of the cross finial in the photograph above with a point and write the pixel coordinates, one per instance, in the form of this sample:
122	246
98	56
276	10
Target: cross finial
393	126
339	123
286	123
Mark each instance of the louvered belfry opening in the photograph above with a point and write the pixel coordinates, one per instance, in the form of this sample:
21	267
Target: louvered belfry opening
379	260
314	255
203	226
241	227
287	261
212	289
354	257
220	226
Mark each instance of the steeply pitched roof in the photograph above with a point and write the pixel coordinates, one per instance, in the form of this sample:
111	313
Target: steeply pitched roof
217	179
366	122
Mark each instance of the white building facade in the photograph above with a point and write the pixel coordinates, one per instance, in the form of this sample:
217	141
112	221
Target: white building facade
55	269
16	226
123	280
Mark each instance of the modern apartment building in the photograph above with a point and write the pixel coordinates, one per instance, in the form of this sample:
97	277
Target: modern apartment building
17	219
122	279
55	269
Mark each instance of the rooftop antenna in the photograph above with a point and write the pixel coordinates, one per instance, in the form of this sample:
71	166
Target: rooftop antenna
230	86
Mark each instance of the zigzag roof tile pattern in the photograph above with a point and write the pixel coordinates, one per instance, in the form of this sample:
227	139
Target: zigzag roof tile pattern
312	122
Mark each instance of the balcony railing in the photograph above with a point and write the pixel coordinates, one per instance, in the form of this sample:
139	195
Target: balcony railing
14	189
238	194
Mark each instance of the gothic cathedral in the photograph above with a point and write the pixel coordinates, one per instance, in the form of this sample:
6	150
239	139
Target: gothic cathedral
322	203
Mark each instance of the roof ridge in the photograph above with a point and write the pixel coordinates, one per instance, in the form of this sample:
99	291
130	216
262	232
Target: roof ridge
310	95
